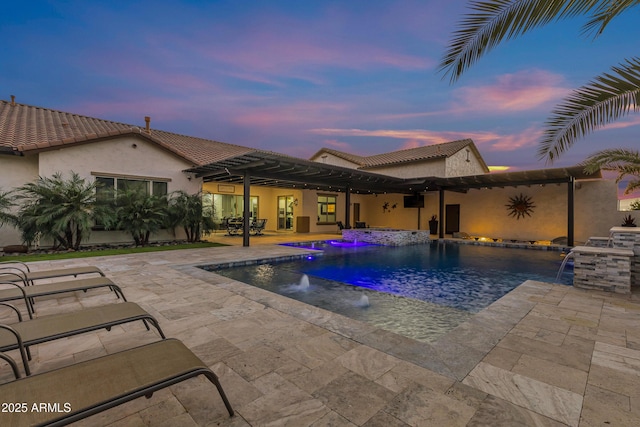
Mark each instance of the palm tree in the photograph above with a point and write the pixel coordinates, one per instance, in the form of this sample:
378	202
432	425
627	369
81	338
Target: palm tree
6	203
186	210
63	210
140	214
605	99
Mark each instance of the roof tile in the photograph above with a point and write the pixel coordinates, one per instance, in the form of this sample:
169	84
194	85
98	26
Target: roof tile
426	152
27	128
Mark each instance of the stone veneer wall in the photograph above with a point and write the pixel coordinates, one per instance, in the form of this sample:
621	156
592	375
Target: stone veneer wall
599	242
629	238
387	237
605	269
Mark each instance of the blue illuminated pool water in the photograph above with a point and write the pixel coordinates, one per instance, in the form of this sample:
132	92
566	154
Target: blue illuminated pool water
420	291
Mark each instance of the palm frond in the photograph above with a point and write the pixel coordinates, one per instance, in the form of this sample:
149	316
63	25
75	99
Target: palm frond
606	99
625	162
491	22
632	186
606	12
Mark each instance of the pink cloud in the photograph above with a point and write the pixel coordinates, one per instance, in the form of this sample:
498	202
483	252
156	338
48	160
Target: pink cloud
287	47
342	146
411	143
527	138
418	134
492	141
522	91
624	123
299	114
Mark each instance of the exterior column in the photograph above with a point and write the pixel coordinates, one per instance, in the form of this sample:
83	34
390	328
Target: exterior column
571	189
246	219
347	208
441	213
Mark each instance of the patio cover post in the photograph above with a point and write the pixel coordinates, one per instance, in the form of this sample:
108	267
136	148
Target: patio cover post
347	208
441	214
247	209
571	189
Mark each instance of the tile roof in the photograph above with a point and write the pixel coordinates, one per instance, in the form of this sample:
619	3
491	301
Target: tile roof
25	128
426	152
415	154
353	158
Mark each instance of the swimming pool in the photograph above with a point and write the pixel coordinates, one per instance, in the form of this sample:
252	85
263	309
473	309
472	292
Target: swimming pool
420	291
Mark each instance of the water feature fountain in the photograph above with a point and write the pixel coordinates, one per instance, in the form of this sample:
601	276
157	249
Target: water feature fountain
566	259
302	286
304	283
363	301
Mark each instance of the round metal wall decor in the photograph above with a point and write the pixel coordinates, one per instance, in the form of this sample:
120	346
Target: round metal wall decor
520	205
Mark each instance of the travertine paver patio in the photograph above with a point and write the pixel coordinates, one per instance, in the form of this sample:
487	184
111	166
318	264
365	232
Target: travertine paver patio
544	355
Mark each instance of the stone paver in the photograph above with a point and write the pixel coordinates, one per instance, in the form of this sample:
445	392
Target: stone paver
543	355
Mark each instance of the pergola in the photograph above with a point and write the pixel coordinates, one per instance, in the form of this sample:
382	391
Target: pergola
276	170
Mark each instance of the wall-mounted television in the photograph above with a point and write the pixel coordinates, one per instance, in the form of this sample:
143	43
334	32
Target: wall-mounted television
415	201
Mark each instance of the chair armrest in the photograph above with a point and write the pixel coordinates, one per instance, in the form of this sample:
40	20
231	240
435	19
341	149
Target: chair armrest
23	352
6	304
17	262
12	363
22	276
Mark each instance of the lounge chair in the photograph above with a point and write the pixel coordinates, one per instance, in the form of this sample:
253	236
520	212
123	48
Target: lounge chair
21	269
13	291
56	326
257	227
90	387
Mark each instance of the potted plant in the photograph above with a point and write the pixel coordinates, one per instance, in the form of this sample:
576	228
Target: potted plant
433	225
628	221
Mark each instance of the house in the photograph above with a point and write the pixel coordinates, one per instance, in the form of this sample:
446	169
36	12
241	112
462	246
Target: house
450	180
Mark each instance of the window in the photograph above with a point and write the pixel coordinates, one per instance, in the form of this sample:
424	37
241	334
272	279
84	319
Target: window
326	208
108	186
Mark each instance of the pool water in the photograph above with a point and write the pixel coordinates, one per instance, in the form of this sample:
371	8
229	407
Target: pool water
419	291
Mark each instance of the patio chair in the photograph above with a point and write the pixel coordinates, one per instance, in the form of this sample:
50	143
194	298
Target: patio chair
48	328
93	386
258	226
13	291
235	226
22	269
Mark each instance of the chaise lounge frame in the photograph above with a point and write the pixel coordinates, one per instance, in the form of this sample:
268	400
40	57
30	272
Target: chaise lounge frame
62	325
28	293
106	382
21	269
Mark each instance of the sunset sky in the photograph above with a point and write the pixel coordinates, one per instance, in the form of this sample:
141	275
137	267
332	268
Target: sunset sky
295	76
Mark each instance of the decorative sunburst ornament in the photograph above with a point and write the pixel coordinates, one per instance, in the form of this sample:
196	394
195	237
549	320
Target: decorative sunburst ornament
519	206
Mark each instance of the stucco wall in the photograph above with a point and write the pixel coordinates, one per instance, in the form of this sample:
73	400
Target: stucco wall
457	164
127	156
413	169
373	213
132	157
483	212
14	172
331	159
